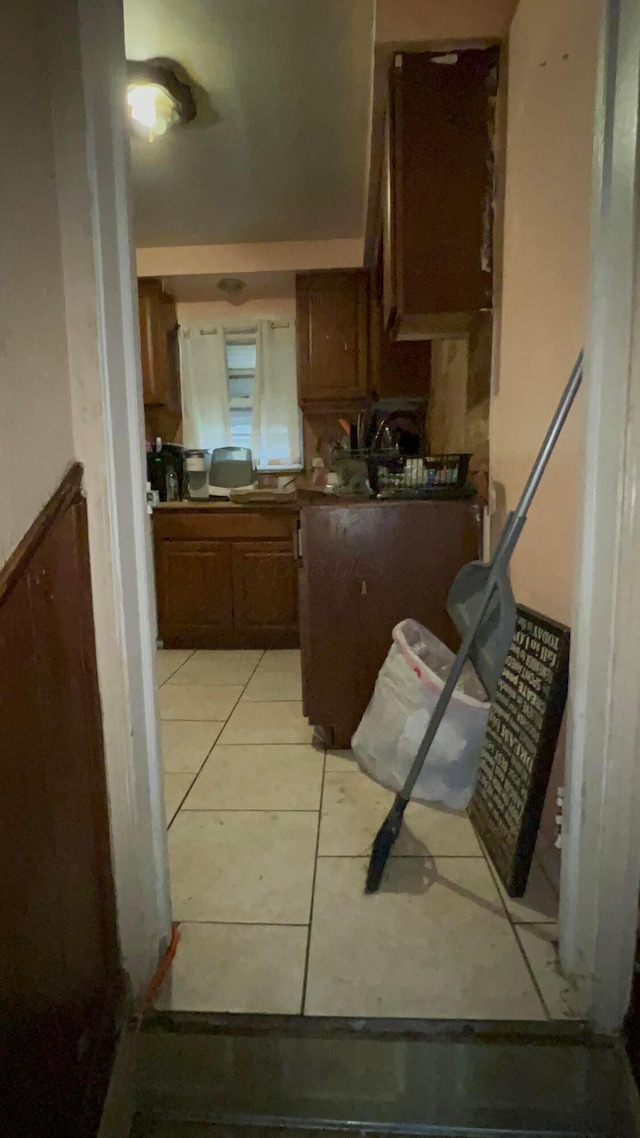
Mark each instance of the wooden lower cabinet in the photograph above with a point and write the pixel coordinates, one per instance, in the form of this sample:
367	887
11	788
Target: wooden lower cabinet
226	579
195	594
265	590
364	568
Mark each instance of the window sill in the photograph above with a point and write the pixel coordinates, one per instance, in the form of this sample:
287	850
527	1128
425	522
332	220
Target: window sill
279	470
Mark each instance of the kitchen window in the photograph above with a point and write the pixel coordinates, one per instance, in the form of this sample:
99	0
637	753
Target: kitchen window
241	379
239	389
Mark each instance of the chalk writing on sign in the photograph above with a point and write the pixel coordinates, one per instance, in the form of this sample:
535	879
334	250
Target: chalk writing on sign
519	746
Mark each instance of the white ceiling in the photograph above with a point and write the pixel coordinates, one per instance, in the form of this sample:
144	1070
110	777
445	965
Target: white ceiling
286	160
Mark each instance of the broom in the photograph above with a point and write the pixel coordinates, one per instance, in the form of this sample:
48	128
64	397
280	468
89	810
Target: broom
495	576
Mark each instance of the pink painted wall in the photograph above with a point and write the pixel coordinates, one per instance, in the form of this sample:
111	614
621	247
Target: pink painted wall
281	308
551	87
36	438
261	257
400	21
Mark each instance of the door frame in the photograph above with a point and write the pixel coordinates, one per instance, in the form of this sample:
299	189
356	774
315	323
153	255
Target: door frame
87	79
601	841
601	857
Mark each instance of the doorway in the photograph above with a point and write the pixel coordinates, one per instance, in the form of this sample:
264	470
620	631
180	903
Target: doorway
577	887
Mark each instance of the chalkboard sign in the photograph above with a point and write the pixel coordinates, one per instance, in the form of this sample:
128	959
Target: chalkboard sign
521	738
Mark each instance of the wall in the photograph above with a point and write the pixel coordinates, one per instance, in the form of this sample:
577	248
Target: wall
283	308
418	20
551	85
261	257
36	443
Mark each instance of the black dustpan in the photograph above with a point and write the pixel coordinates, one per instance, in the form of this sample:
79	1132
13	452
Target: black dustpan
494	631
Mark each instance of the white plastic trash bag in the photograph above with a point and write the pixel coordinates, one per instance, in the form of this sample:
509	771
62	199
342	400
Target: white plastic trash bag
393	726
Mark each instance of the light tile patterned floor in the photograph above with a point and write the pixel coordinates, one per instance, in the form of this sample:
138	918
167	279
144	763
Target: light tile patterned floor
268	846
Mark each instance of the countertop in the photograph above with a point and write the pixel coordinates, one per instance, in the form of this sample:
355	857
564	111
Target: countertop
319	501
224	507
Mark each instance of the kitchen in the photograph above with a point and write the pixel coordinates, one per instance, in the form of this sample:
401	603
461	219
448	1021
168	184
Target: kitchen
359	515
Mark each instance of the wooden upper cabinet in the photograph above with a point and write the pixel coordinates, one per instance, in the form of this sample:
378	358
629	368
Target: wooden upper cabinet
437	191
332	313
159	348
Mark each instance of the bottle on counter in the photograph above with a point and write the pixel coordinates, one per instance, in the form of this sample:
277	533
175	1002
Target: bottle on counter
319	478
173	489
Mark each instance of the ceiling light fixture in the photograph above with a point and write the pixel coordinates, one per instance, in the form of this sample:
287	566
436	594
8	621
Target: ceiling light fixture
156	98
231	285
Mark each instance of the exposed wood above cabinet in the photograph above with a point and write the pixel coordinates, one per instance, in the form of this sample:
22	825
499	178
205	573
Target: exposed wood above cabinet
400	369
437	191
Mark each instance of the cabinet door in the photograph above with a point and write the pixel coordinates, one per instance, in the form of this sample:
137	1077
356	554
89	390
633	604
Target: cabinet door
195	599
151	343
159	349
365	568
332	334
172	396
438	190
265	594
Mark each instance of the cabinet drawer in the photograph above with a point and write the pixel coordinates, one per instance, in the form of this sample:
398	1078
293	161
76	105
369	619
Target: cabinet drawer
218	525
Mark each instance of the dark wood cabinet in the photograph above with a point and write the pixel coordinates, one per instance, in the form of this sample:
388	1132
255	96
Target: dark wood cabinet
265	588
437	191
332	328
194	589
226	578
159	348
364	568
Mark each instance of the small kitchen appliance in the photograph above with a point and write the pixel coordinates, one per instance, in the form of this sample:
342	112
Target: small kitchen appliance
197	474
166	462
231	468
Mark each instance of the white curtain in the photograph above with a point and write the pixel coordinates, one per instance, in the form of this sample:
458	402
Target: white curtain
277	435
205	397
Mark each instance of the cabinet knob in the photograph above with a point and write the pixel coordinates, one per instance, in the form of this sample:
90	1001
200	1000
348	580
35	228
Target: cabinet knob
363	590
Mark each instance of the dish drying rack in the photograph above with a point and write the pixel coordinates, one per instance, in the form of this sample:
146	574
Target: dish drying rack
394	475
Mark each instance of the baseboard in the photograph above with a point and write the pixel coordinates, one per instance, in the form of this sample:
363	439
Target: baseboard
120	1102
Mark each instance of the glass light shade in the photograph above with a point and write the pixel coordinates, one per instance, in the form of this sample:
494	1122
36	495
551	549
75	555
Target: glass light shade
151	108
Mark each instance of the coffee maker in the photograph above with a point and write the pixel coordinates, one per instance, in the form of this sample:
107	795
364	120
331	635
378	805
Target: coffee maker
161	460
196	465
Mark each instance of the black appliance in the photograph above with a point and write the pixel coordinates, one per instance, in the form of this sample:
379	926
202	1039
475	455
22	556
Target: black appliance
170	456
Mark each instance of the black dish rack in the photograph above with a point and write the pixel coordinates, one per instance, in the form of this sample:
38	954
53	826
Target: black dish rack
400	476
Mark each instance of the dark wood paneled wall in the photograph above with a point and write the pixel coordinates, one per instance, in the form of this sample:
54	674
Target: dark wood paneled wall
61	984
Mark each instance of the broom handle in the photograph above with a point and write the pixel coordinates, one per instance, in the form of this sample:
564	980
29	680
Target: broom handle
505	547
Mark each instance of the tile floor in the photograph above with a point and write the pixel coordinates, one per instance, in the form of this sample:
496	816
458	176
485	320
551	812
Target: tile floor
269	842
